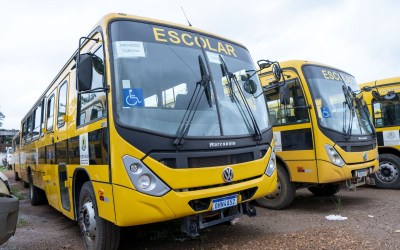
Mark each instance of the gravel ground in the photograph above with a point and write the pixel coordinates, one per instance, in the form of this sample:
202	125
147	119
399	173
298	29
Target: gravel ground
373	223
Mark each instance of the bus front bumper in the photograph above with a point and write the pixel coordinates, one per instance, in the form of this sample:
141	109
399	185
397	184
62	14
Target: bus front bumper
134	208
329	173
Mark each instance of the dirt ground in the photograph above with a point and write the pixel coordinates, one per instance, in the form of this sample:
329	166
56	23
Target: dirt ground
373	223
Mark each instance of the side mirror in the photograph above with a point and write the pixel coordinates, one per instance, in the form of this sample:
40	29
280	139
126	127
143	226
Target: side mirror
376	95
98	64
366	89
277	72
390	95
284	94
84	72
263	64
250	87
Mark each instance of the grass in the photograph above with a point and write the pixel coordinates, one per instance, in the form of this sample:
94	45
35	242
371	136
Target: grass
17	193
337	200
2	169
22	222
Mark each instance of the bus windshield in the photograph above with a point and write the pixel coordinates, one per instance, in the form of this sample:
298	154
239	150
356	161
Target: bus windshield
333	111
157	69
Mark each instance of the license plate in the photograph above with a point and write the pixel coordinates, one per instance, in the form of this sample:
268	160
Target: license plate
362	173
224	202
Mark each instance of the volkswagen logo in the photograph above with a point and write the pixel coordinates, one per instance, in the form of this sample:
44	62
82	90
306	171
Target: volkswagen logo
227	174
365	156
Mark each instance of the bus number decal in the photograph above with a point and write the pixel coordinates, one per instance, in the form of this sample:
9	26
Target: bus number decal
391	137
278	142
84	149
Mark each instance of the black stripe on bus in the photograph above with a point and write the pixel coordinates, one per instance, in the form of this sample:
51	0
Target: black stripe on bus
67	151
379	136
299	139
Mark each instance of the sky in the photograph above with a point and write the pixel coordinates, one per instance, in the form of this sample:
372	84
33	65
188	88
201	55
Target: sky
37	37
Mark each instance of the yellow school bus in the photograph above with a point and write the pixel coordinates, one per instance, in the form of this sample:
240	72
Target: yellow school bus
15	156
323	136
149	121
384	105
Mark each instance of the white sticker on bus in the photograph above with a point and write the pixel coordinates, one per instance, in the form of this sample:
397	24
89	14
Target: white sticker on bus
129	49
391	137
84	149
213	57
278	142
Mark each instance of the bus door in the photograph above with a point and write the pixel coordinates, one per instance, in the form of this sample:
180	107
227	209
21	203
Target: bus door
289	114
61	141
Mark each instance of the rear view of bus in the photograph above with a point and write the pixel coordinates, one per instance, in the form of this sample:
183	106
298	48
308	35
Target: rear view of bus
324	138
384	105
161	122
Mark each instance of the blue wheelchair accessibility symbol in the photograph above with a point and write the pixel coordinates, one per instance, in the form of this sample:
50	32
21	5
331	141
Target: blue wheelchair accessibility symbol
133	98
325	112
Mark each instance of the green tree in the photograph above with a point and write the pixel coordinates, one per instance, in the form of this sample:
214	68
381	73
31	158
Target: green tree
2	116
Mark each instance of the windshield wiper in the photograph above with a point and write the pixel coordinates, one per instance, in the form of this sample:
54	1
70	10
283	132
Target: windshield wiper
194	103
362	109
229	76
349	102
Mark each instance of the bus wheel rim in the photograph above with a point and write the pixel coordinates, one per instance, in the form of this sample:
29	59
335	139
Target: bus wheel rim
388	172
275	194
88	220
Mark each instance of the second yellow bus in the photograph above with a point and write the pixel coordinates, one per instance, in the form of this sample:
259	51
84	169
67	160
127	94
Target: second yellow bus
324	138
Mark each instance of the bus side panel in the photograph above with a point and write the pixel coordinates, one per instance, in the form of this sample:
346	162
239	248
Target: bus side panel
52	183
104	200
303	170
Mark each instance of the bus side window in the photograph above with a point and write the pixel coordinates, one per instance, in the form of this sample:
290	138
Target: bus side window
93	105
387	112
24	131
62	104
296	111
29	129
37	114
50	113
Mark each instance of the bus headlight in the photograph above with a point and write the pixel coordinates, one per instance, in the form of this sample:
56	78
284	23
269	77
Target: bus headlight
271	165
334	156
144	180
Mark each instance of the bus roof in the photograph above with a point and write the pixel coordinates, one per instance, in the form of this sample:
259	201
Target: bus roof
381	82
298	64
111	16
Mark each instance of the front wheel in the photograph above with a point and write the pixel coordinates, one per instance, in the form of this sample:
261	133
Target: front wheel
96	232
283	196
16	177
325	189
387	175
37	195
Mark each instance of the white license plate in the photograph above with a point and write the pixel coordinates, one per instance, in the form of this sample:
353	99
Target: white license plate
362	173
224	202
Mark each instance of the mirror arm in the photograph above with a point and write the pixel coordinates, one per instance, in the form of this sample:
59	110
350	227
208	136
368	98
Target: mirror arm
105	89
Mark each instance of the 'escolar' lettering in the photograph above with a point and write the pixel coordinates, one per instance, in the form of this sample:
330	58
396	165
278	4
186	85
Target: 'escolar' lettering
331	75
161	35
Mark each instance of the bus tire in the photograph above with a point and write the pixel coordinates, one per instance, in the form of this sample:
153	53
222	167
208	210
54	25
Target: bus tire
388	174
325	189
284	195
96	232
36	195
16	177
